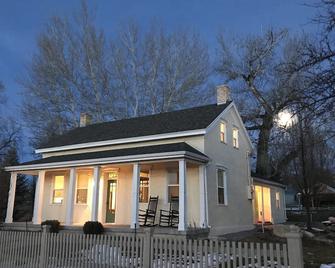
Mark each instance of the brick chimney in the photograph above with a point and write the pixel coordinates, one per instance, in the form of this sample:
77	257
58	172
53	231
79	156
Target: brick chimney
222	94
85	119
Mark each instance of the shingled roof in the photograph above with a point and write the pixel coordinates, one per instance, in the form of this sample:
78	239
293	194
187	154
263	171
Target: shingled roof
168	122
118	154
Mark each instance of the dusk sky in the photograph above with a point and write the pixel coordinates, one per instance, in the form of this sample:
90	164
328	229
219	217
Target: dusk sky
21	21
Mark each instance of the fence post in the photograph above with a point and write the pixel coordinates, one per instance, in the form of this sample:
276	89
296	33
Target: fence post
43	252
147	248
294	245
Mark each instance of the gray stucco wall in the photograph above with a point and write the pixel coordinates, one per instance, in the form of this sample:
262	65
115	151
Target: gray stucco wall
237	215
278	214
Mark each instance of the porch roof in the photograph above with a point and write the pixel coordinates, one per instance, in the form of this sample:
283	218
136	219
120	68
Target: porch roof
266	180
145	153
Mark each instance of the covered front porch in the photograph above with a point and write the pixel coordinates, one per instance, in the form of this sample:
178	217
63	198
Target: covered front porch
113	191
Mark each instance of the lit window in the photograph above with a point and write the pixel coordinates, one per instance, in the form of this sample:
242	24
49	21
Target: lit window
222	195
144	187
173	186
223	136
235	137
277	200
82	189
58	190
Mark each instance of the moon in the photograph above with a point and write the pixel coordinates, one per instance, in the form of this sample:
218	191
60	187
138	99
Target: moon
286	119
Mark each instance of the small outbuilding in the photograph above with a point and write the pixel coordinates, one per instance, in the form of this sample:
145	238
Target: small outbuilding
269	200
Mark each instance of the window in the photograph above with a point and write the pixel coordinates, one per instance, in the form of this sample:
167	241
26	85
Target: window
82	189
144	187
58	190
222	195
223	136
173	186
277	200
235	137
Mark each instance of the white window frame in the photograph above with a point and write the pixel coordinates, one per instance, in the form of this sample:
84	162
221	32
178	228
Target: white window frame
277	194
224	124
225	192
53	189
237	138
172	184
147	187
77	188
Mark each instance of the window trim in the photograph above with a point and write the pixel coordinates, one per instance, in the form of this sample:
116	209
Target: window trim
225	192
53	190
172	184
278	205
237	139
75	202
224	123
149	172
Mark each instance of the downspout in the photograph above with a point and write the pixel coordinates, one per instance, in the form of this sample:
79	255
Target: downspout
206	197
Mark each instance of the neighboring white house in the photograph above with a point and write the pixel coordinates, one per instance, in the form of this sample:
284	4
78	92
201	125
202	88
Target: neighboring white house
108	171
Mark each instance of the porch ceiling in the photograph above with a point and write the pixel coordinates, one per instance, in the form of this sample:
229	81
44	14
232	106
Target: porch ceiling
145	153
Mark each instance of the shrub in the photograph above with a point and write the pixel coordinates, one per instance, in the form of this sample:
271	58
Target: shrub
93	227
53	224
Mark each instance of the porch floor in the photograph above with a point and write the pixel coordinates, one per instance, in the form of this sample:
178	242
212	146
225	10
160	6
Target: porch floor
108	228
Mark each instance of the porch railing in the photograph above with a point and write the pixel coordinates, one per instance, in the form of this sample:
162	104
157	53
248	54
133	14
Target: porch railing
36	249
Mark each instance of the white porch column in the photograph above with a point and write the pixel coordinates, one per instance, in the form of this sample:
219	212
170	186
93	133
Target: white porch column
135	196
37	218
95	195
203	196
182	196
11	198
70	197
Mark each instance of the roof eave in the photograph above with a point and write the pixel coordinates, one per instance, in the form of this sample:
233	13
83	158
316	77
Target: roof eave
187	133
269	182
112	160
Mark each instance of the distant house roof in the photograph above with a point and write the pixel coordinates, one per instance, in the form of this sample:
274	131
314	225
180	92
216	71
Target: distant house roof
163	123
119	156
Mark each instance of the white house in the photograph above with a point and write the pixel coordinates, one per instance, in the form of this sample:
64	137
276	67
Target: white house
108	171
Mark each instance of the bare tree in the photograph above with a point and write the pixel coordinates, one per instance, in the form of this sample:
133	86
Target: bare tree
318	63
67	76
76	69
156	71
259	66
313	164
9	136
9	130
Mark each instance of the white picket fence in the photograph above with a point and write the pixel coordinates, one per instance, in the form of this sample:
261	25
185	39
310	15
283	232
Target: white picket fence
180	252
36	249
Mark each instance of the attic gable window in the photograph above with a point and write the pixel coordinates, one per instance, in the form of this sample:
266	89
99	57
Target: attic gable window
223	132
235	138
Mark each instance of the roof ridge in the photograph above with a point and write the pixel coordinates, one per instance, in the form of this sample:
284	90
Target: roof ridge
147	116
192	118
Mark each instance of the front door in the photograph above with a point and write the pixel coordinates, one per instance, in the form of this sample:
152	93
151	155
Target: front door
263	204
111	201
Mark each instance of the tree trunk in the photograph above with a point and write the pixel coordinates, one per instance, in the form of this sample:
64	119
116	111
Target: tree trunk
307	205
263	161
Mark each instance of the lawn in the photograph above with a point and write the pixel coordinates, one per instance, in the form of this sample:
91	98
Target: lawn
315	252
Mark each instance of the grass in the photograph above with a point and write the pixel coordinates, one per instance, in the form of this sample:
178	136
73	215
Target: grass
315	252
